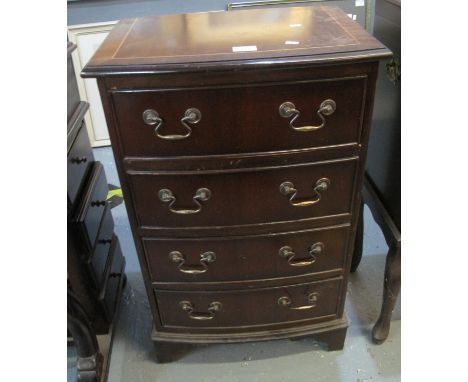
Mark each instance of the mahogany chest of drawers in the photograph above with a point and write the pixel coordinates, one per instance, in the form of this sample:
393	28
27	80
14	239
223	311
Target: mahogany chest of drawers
240	140
95	264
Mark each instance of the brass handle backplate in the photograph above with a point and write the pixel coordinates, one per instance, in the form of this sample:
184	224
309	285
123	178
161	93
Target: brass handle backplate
288	110
288	253
167	196
191	115
188	307
287	189
286	302
205	258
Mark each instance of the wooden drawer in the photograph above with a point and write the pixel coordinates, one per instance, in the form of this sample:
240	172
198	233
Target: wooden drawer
79	160
97	262
239	119
243	196
302	302
92	206
247	257
113	276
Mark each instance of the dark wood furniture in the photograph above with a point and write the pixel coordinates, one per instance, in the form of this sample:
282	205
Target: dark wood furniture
95	264
383	185
384	159
89	357
392	278
240	140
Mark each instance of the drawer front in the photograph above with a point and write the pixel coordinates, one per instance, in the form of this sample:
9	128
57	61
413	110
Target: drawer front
244	196
238	119
248	257
94	205
302	302
114	275
101	246
79	160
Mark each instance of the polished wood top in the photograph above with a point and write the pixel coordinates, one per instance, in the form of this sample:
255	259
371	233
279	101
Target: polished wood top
193	41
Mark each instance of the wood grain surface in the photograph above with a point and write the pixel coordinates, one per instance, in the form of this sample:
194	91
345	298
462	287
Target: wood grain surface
320	33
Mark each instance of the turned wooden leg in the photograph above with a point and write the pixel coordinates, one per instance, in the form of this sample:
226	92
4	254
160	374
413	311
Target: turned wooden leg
390	294
357	254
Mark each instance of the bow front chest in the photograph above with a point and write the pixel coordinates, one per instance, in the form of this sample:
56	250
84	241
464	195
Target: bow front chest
240	140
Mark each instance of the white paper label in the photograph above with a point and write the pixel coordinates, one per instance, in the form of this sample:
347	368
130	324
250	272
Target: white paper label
246	48
359	3
291	42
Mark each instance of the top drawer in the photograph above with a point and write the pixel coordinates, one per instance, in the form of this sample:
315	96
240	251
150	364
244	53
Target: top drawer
241	119
79	161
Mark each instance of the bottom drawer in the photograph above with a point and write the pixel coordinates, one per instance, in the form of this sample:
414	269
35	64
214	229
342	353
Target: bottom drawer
113	275
311	301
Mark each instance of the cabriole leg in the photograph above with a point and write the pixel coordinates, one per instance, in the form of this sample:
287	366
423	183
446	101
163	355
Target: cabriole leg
392	284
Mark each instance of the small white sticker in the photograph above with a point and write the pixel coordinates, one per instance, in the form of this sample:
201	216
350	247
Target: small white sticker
359	3
295	25
351	16
246	48
292	42
354	17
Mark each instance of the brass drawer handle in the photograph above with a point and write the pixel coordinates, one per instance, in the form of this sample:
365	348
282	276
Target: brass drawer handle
202	195
205	258
287	189
188	307
288	109
191	115
288	253
286	302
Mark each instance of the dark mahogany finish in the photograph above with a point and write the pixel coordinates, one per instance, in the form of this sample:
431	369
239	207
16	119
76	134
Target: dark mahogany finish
382	191
242	308
392	277
102	244
95	264
215	273
249	257
92	206
79	161
238	112
240	192
113	278
245	37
